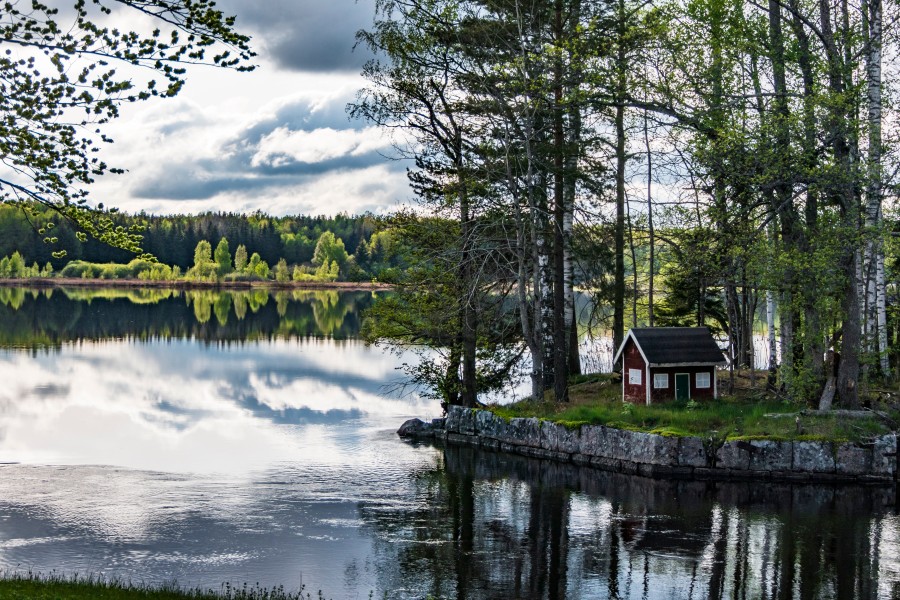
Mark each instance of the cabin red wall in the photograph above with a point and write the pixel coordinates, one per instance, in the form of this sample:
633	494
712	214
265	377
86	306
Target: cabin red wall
632	359
666	394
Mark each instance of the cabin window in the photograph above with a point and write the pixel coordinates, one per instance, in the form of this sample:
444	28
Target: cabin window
660	380
702	380
634	376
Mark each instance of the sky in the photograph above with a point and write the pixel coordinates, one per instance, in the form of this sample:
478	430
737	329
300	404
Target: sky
277	139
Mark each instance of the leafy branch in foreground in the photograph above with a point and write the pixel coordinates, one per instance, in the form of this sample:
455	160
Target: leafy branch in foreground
60	83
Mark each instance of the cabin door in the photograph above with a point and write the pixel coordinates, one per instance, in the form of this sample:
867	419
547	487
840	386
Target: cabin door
682	386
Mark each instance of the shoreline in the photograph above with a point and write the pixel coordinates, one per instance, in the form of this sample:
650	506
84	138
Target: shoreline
61	282
661	456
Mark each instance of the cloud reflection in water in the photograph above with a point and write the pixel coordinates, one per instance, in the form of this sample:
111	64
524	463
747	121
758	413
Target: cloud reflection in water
182	406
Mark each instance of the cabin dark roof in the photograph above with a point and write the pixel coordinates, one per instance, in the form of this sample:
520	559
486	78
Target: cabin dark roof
677	345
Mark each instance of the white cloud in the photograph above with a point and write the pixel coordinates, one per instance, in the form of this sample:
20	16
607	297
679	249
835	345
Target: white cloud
187	412
274	139
283	146
374	189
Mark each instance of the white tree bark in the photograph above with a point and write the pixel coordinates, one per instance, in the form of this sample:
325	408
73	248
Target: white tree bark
881	315
770	326
876	309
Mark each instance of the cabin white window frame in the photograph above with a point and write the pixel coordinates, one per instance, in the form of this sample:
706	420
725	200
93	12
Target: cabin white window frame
660	378
698	384
634	377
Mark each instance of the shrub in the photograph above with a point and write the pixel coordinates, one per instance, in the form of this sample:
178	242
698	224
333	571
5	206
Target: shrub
78	268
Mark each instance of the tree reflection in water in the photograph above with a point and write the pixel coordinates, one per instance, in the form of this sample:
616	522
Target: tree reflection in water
35	318
490	525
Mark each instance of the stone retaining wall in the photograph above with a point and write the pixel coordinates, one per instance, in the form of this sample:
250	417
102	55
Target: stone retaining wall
654	455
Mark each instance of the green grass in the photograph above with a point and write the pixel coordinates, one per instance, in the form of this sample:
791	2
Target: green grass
30	586
596	400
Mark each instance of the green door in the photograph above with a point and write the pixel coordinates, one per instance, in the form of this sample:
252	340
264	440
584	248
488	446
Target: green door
682	386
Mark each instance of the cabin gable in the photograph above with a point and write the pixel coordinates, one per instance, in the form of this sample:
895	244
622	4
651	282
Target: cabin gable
634	374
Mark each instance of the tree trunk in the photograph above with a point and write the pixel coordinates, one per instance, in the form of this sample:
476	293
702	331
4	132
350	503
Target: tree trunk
876	315
652	240
773	351
469	396
791	235
814	349
634	269
560	334
621	158
843	194
570	177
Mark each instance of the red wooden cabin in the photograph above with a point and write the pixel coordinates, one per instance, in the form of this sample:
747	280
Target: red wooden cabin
669	363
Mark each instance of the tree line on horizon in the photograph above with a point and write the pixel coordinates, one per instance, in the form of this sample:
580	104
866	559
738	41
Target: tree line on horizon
357	248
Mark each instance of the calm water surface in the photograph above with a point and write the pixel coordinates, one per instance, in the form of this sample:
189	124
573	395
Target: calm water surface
247	437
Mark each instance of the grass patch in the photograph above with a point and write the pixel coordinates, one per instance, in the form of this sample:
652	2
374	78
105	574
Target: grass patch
31	586
597	400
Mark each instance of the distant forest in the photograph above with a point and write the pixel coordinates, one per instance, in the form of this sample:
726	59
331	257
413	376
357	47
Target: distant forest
172	239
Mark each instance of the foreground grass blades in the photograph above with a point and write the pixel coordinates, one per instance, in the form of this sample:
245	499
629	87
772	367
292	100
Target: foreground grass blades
30	586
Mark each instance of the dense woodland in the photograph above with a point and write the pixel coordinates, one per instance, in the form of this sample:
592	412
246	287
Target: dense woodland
754	141
689	161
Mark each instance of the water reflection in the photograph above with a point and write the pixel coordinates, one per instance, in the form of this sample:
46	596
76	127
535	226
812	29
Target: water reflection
275	460
133	380
33	318
495	526
408	521
178	405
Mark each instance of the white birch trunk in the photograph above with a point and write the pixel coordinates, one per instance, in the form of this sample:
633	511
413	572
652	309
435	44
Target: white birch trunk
876	309
770	326
861	290
881	314
568	222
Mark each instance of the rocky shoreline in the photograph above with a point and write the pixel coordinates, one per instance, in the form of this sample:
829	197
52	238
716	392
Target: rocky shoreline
651	455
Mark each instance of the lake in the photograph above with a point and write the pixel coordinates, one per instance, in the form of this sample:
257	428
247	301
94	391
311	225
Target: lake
205	437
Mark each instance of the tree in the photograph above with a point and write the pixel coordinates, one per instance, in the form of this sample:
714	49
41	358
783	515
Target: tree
258	266
416	317
441	45
327	271
66	73
202	254
222	258
16	266
329	248
240	258
282	273
778	180
204	268
261	270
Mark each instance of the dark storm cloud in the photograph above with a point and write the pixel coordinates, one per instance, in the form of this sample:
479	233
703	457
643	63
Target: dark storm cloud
306	35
